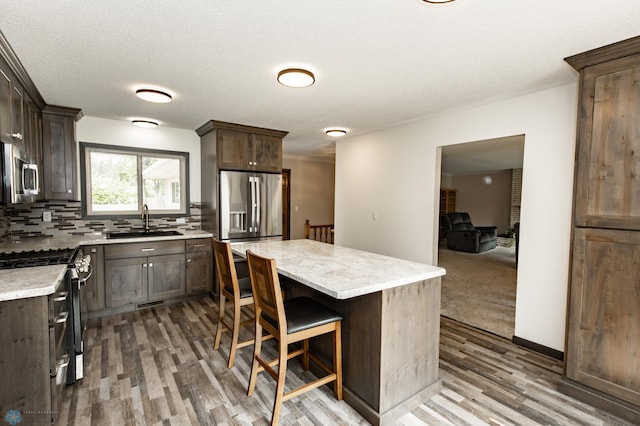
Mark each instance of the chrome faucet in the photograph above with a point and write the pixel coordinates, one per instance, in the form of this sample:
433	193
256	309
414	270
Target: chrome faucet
145	217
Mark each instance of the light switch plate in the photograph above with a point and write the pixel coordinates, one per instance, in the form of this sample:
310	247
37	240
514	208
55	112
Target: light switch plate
46	216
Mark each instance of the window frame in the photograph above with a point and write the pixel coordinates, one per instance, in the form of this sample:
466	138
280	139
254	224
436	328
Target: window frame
86	148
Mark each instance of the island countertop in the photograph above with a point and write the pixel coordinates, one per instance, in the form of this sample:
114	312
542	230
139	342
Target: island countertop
339	272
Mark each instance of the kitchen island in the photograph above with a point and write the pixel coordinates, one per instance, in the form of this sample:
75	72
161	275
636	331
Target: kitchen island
391	311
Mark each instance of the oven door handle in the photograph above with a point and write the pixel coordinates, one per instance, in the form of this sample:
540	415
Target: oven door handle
85	278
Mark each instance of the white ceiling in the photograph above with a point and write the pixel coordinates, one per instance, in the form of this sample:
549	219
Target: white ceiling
378	63
483	156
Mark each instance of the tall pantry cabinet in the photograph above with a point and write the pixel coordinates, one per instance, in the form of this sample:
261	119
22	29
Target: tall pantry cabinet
602	354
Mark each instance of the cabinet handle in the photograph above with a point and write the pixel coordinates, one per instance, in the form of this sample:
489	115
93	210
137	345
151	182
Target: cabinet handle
61	296
93	250
17	136
147	249
144	265
68	191
62	318
151	265
188	260
198	245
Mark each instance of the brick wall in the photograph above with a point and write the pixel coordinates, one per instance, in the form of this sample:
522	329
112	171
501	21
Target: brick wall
516	194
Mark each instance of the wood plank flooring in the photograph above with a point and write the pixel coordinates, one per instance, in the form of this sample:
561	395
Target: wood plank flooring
157	367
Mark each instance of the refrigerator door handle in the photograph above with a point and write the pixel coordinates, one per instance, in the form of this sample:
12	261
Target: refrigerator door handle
256	220
254	210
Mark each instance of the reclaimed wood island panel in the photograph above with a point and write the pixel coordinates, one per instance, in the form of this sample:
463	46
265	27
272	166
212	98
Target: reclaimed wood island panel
391	310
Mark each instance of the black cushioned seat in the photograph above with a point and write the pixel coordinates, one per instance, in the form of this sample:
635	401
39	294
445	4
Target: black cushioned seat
304	313
462	235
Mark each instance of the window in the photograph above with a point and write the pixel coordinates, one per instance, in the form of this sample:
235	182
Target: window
118	181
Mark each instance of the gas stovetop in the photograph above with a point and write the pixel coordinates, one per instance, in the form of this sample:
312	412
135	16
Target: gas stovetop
28	259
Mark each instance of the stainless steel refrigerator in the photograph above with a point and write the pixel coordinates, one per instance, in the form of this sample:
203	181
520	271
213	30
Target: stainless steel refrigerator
250	205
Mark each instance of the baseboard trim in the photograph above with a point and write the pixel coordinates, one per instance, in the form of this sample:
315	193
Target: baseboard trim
598	399
545	350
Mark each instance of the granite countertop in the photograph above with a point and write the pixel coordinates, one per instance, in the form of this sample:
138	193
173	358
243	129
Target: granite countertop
30	282
336	271
42	280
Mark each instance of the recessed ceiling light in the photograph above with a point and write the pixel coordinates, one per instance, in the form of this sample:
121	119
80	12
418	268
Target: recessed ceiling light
296	77
147	124
152	95
336	133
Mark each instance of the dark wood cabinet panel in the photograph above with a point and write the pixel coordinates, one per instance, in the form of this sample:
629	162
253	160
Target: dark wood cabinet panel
604	341
608	178
59	157
93	294
234	150
5	107
126	281
267	153
199	272
166	276
603	327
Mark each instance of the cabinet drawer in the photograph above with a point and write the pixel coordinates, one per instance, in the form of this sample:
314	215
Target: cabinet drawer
199	244
125	250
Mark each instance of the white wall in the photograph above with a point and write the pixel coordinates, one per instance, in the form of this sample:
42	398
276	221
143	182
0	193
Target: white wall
123	133
394	175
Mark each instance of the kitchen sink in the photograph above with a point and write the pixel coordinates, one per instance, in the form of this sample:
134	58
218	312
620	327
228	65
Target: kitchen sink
141	234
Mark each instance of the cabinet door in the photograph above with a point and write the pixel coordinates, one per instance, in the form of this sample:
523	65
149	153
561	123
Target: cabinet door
603	341
5	107
17	118
267	153
166	276
234	150
93	297
59	157
199	265
607	189
126	281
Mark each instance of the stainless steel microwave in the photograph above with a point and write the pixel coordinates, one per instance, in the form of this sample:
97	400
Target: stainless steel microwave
19	175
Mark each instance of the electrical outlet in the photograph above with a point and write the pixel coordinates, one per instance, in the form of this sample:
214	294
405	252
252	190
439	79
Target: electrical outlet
181	220
46	216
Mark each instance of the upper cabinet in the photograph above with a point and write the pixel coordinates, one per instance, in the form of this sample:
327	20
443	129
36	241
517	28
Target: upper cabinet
59	152
11	110
239	147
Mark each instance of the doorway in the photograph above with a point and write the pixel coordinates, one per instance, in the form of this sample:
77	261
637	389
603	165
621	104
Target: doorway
485	178
286	204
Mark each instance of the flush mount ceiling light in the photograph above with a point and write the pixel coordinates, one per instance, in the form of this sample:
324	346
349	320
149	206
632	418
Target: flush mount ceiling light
335	133
146	124
437	1
152	95
296	77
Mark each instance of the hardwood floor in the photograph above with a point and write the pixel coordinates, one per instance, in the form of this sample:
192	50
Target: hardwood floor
157	367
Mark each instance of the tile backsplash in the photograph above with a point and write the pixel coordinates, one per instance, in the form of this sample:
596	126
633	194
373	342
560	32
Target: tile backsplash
21	221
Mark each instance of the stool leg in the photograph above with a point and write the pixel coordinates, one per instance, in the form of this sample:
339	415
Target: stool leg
305	354
282	374
257	346
234	334
216	343
337	360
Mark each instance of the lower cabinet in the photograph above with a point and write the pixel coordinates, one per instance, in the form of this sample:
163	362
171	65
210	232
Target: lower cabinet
138	273
199	266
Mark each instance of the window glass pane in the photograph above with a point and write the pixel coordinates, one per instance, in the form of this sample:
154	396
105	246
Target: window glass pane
114	182
160	177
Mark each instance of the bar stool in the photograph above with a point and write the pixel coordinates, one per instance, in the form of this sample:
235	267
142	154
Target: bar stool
238	291
290	321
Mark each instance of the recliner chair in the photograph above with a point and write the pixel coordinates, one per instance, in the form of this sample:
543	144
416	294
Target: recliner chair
461	235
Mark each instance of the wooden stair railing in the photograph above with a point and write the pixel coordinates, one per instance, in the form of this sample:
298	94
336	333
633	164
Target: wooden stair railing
322	233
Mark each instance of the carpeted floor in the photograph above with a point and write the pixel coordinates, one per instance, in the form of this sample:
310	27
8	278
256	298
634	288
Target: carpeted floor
480	289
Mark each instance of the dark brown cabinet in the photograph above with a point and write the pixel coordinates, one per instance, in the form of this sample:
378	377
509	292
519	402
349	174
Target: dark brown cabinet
239	147
11	110
199	266
60	168
603	337
138	273
93	297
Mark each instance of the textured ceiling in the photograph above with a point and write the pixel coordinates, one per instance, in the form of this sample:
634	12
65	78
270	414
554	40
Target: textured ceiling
378	63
